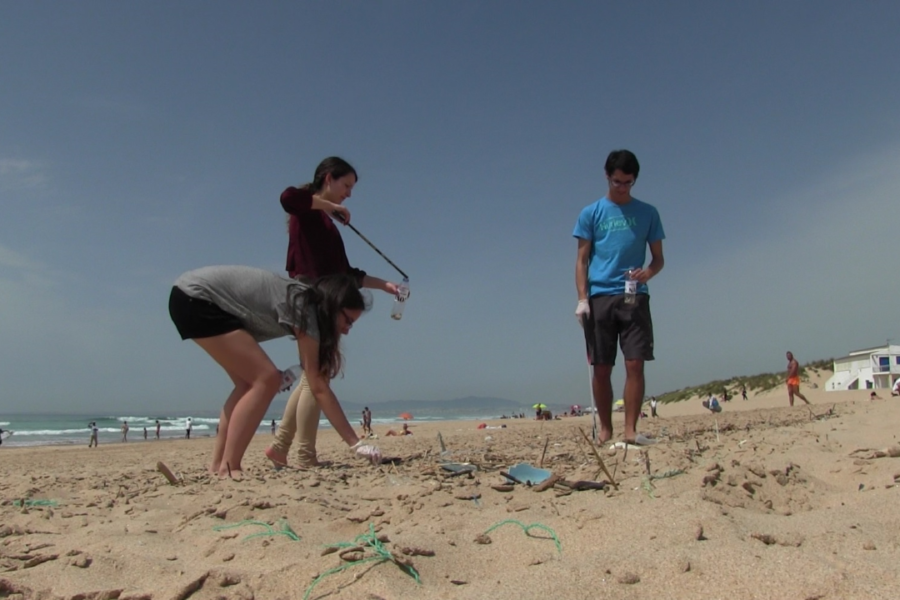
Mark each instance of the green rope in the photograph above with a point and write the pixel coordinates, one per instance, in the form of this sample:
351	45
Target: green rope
284	530
667	474
364	540
527	528
30	503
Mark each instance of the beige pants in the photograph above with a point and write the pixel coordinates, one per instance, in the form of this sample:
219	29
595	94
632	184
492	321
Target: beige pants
301	418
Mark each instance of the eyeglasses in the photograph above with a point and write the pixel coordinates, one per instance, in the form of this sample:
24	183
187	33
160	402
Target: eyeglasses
350	320
621	184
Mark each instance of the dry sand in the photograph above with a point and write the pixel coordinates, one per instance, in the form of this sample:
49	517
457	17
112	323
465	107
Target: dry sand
773	502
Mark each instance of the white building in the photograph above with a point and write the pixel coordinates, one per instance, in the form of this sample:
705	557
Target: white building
872	368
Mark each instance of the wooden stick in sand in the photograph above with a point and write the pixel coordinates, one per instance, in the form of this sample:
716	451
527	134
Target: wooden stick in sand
546	441
167	473
597	456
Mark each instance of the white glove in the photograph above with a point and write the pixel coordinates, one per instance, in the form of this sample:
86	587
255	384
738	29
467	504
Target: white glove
367	451
582	310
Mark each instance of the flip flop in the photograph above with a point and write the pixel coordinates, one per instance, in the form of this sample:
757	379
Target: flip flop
639	440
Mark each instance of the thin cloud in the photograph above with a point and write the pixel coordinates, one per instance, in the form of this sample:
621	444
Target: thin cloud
17	173
14	260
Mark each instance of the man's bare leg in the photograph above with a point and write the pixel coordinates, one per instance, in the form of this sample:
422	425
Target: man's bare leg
602	388
796	392
634	395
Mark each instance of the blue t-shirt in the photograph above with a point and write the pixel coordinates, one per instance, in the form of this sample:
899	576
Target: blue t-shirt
620	235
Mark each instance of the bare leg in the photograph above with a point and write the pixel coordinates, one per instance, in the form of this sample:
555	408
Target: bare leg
243	359
796	392
602	388
240	388
634	395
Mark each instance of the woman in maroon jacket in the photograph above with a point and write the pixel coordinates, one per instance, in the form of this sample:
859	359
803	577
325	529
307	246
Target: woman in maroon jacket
315	249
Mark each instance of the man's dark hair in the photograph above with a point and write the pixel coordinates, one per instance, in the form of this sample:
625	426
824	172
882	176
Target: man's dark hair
623	160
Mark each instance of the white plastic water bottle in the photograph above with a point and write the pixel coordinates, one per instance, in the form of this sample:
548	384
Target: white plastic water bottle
400	299
289	376
630	287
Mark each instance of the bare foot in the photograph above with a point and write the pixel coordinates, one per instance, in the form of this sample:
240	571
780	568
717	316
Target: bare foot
278	459
605	435
230	472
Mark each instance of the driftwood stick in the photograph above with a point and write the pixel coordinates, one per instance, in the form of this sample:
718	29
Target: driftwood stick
597	456
541	463
547	484
167	473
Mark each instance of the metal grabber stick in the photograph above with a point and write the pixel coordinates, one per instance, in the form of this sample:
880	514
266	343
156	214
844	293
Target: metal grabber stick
373	246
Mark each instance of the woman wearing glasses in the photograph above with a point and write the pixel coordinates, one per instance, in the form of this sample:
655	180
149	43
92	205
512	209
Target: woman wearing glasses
229	311
315	249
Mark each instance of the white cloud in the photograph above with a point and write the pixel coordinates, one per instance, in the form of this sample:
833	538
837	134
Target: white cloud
16	173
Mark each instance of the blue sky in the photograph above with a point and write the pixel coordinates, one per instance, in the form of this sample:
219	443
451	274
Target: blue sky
142	139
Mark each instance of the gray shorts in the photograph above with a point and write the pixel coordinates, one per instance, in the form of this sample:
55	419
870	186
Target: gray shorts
613	322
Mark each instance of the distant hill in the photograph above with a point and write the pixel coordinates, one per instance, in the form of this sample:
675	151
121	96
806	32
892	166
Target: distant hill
762	382
474	405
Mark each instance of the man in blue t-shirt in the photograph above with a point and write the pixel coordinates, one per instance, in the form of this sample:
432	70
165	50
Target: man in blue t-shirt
613	234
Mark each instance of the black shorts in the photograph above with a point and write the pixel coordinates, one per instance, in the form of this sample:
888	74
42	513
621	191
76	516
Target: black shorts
195	318
611	322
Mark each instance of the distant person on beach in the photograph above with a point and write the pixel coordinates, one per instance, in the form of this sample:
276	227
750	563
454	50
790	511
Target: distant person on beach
653	405
793	379
274	426
744	392
895	391
367	420
92	427
316	249
613	235
157	429
188	426
874	396
124	431
725	397
229	311
404	431
145	434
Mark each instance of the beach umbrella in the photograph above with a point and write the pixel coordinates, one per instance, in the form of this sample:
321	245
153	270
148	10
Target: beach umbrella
541	406
406	416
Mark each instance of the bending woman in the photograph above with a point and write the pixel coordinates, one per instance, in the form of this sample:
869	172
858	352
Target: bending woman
316	249
229	311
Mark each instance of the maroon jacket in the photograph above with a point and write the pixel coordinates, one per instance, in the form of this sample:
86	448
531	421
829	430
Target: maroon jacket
315	247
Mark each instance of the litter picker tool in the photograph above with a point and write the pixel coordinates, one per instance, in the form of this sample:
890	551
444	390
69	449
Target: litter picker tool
366	240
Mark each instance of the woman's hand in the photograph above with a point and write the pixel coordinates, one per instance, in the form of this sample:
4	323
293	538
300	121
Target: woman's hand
338	211
367	451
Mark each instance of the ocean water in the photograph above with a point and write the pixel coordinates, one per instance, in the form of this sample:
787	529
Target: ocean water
51	430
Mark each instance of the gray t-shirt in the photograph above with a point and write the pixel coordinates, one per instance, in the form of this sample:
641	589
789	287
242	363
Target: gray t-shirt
263	301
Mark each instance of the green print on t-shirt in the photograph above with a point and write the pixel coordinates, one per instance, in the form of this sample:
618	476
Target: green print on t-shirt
617	224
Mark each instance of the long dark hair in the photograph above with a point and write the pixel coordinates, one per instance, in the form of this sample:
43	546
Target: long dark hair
323	300
335	166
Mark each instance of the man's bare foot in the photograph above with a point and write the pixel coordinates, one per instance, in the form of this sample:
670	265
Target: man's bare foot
605	435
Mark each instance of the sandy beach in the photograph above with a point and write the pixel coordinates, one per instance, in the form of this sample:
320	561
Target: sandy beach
761	501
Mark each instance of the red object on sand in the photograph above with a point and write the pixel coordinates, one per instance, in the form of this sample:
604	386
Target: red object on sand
406	416
482	426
